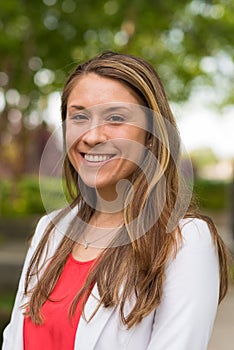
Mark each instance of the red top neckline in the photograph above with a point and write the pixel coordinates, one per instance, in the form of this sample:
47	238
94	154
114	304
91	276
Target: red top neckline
80	262
58	331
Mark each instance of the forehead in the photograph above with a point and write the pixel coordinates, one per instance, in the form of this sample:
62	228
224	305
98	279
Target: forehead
92	89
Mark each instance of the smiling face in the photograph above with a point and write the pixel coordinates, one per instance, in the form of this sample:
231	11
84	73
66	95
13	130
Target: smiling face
105	131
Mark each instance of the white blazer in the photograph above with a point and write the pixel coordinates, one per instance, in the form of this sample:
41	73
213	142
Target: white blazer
183	321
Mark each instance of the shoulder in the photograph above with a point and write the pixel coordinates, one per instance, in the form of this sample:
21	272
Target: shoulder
196	262
41	226
190	292
195	232
197	253
61	220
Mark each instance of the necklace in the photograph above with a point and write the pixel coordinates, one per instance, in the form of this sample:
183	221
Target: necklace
86	243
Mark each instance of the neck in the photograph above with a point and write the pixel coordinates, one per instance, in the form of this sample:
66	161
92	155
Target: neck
106	219
102	228
111	200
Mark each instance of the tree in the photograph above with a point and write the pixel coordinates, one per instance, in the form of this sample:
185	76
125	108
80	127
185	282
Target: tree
189	43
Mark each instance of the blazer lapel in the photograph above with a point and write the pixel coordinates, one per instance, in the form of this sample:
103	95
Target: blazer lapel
88	332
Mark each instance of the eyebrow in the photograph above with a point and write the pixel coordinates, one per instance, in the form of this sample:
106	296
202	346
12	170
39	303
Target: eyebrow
109	109
79	108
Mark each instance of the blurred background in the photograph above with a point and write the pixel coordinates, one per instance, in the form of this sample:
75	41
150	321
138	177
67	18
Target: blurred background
190	43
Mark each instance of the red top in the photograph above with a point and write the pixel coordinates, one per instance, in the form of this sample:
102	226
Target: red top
58	331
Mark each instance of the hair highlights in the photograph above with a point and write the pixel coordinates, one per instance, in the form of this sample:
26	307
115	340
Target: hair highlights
136	268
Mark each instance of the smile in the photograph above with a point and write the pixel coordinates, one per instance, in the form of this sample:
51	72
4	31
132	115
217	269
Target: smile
94	158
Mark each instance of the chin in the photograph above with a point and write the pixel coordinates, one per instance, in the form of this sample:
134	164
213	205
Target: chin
93	183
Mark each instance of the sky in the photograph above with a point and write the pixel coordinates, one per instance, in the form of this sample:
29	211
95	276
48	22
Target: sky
202	127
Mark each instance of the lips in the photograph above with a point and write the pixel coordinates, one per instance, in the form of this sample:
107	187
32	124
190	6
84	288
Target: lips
96	158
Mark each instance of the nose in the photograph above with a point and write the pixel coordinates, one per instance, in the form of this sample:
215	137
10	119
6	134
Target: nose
95	135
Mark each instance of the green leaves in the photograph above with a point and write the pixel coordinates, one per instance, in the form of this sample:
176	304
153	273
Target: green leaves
172	35
190	43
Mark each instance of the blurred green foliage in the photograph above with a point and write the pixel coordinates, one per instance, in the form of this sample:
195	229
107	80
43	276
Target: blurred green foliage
189	42
6	301
232	272
20	198
40	40
211	194
6	304
24	198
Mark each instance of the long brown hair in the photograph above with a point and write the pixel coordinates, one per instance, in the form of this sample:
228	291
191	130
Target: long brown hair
136	268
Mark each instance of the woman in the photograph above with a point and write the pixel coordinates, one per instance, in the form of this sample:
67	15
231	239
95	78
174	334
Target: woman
129	264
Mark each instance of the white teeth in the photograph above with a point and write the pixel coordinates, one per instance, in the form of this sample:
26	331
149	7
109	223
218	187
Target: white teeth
97	157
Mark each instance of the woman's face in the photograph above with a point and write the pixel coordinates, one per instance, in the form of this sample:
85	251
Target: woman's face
106	131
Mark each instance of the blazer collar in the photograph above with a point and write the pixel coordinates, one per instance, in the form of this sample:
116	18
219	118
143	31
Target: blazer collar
88	332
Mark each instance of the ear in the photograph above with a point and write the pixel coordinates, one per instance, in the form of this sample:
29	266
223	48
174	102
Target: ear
148	142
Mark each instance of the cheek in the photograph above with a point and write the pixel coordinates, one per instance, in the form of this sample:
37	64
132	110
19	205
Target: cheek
131	157
73	134
133	146
71	139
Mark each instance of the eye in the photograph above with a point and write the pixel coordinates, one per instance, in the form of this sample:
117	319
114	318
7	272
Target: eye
116	119
79	117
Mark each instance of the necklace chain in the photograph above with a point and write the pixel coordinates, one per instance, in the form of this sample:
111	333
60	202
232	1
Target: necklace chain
86	244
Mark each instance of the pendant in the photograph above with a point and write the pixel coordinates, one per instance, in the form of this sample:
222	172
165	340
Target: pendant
86	245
